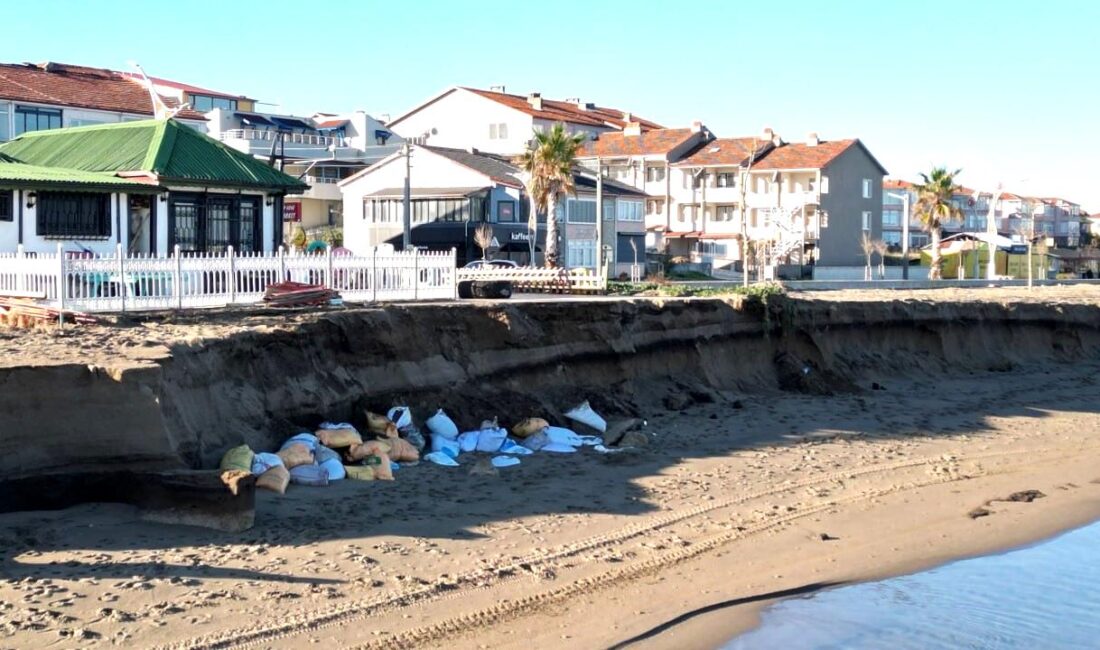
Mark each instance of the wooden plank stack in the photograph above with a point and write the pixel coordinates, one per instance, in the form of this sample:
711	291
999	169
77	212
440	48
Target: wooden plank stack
298	294
16	311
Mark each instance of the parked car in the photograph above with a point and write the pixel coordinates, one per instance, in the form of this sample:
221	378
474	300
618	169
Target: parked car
492	264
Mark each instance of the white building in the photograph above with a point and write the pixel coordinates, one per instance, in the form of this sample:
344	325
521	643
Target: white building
497	122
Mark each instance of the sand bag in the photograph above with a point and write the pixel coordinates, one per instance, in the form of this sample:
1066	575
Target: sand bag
239	458
295	455
356	453
467	441
383	471
264	461
584	414
504	461
312	475
441	425
337	438
415	438
445	445
440	458
307	439
381	425
335	469
275	479
529	427
536	441
359	472
401	416
402	451
490	440
563	436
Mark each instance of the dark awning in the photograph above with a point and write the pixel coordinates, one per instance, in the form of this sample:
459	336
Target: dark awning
382	133
252	119
291	123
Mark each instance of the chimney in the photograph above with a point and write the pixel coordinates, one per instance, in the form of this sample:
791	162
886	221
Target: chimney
496	89
696	126
632	128
768	133
812	140
535	100
627	117
385	118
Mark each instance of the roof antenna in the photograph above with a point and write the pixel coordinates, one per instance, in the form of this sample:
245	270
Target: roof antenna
161	111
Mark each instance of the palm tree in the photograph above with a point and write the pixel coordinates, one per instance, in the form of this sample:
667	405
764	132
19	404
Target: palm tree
934	208
548	163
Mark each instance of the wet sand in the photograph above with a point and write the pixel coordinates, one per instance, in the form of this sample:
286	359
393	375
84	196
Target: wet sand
730	501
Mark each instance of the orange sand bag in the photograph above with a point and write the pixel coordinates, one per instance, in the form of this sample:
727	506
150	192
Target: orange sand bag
337	438
402	450
381	466
295	455
275	479
379	424
370	448
359	472
529	427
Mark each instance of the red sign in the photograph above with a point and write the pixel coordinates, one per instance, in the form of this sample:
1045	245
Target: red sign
292	212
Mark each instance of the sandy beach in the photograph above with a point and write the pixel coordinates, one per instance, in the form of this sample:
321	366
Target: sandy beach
736	497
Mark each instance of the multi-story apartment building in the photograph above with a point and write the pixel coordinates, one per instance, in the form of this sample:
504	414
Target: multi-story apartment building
40	96
793	193
496	122
322	150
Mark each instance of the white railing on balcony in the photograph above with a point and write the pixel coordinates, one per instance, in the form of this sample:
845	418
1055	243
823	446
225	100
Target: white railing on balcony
289	138
141	282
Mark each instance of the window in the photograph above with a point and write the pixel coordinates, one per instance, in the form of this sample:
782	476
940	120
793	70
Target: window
30	118
824	184
206	103
582	211
609	209
891	218
655	206
506	211
654	174
498	131
74	215
868	189
5	113
630	211
727	179
6	210
581	253
212	223
866	220
725	213
892	237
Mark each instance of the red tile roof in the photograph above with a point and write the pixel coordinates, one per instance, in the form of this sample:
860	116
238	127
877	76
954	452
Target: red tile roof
557	111
160	81
648	143
329	124
79	87
893	184
726	151
799	155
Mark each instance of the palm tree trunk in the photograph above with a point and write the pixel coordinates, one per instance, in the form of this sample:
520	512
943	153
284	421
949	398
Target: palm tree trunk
532	227
551	232
935	271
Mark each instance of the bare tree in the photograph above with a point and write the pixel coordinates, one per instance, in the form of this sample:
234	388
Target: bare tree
881	247
483	237
868	246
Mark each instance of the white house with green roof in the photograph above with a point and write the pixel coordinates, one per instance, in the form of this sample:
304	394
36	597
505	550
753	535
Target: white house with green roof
150	186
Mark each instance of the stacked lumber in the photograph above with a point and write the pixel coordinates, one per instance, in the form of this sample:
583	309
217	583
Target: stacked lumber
28	312
298	294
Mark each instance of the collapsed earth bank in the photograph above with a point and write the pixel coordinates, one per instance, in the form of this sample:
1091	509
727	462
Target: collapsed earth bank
627	357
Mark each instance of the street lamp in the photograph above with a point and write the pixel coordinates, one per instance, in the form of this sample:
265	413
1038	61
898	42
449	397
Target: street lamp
904	233
406	150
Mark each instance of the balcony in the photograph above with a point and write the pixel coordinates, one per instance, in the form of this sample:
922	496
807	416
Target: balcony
322	188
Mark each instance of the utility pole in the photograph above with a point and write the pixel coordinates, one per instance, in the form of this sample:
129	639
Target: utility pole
904	233
599	216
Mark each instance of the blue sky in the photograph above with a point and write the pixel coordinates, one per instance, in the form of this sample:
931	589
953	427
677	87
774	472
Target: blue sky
1005	90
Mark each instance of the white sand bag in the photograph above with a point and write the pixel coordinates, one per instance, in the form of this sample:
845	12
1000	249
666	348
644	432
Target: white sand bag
401	416
445	445
490	440
584	414
335	469
442	425
467	440
504	461
563	436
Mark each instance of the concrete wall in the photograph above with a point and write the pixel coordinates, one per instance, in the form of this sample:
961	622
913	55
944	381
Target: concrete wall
35	243
844	204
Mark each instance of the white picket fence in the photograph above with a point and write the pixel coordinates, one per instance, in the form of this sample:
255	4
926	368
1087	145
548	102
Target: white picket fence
120	282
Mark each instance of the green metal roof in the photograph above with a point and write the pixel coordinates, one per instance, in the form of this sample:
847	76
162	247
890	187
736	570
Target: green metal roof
13	174
175	153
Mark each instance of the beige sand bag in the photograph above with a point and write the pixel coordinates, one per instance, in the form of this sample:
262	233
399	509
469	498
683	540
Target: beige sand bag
295	455
381	466
275	479
339	438
380	424
358	452
360	472
238	458
402	450
529	427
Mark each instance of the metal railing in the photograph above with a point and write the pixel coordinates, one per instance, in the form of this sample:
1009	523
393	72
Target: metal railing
289	138
119	282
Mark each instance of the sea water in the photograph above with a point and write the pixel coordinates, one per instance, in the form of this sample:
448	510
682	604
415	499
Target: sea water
1043	596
